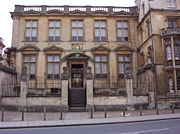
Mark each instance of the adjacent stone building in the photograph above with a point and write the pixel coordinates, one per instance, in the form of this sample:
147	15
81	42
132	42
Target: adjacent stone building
83	56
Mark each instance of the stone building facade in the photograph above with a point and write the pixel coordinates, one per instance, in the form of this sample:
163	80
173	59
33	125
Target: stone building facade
83	56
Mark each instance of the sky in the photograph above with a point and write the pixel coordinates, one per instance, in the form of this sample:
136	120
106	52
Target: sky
7	6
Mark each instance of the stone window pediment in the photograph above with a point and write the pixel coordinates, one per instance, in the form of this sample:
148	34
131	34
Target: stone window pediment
77	12
100	49
121	13
53	49
54	12
31	12
100	13
29	48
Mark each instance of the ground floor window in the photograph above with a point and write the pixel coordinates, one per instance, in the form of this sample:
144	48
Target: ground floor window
123	63
30	65
101	66
53	67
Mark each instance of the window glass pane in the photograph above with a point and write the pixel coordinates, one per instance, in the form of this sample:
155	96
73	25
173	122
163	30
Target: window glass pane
80	32
51	32
57	32
127	59
33	58
104	58
34	23
104	68
168	51
28	23
33	32
49	68
27	66
50	58
74	23
33	68
103	24
103	32
57	23
97	58
121	68
56	68
119	32
120	58
125	24
97	32
119	24
97	23
56	58
28	31
80	23
26	58
51	23
97	68
176	52
125	32
74	32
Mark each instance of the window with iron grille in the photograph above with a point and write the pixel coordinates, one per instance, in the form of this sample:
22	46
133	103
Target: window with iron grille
77	30
53	67
30	64
122	30
54	30
123	63
100	30
31	30
101	66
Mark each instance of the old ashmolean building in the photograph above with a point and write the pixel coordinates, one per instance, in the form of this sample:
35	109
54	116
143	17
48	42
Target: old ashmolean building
83	56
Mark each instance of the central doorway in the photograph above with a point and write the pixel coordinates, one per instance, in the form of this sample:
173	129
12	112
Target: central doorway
77	90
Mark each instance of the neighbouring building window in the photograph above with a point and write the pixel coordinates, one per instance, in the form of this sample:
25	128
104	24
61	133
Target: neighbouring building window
122	30
171	3
172	23
77	30
101	66
100	30
54	30
177	49
123	63
53	66
31	30
30	64
168	49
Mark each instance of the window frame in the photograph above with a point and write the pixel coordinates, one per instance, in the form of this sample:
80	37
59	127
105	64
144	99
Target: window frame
123	30
31	76
54	39
100	38
53	77
31	28
125	63
101	75
171	3
77	28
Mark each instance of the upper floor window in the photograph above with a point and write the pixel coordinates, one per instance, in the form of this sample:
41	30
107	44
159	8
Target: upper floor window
168	49
53	67
123	63
54	30
77	30
30	64
122	30
171	3
172	23
31	30
177	49
100	30
101	66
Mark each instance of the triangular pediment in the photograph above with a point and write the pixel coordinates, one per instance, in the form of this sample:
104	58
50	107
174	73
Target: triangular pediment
100	48
54	12
53	48
100	13
31	12
29	48
121	13
123	47
77	12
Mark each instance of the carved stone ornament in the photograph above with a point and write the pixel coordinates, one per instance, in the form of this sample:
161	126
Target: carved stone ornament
65	74
89	74
24	75
128	73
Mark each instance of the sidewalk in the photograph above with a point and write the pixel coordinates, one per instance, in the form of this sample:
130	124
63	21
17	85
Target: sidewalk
97	121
